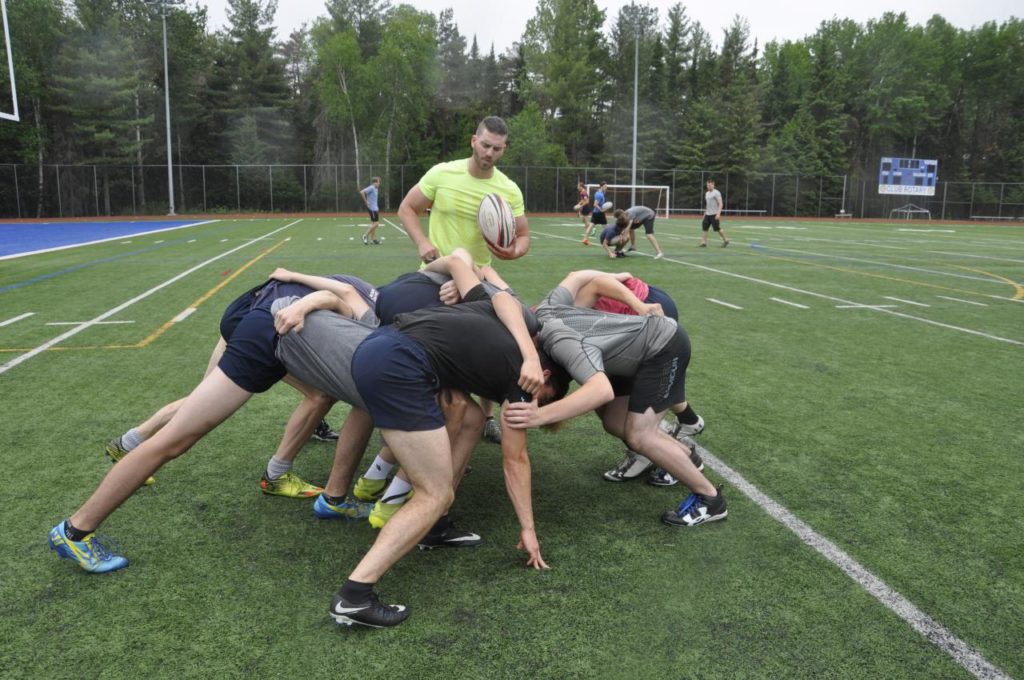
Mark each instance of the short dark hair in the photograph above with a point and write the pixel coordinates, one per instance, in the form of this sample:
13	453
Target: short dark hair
711	180
494	125
559	378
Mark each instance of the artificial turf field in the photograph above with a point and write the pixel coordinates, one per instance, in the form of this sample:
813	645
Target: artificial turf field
868	378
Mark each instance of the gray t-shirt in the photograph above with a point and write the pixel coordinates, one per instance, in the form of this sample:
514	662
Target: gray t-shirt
640	213
586	341
713	199
321	354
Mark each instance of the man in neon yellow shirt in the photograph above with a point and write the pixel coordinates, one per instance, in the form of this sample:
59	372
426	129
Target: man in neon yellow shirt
453	192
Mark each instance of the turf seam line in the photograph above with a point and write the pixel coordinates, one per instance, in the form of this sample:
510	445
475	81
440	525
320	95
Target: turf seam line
822	296
962	653
124	305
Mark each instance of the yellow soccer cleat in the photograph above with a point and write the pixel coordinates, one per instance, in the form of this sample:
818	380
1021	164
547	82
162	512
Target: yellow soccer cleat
116	453
369	490
289	485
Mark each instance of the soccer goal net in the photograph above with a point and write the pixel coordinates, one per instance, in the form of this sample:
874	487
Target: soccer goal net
622	196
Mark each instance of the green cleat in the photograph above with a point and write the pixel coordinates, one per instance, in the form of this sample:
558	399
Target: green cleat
382	511
116	453
289	485
369	490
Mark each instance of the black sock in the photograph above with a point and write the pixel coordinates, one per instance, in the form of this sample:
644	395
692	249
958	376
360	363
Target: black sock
74	534
687	417
356	592
440	525
333	500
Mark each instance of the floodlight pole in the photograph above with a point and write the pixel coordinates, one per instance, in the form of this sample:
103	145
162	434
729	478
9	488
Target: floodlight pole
636	90
161	5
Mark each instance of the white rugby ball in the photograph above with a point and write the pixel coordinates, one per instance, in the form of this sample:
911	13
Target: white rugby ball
496	222
607	206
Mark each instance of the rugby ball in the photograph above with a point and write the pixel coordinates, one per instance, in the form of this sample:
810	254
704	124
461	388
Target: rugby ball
607	206
496	222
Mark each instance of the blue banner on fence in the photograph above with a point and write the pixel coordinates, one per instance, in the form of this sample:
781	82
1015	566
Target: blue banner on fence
908	176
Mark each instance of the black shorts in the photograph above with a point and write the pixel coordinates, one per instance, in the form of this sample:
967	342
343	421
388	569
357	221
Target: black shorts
711	222
397	382
648	226
660	382
598	217
249	359
586	210
374	215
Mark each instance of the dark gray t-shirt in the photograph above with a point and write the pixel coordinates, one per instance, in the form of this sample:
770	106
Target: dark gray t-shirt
586	341
321	354
640	213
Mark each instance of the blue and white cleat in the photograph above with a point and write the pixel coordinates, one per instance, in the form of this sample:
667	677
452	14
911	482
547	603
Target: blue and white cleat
349	509
91	554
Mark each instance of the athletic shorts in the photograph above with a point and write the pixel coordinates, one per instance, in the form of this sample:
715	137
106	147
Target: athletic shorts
660	381
238	309
711	222
249	358
598	217
374	215
397	383
648	226
668	305
586	210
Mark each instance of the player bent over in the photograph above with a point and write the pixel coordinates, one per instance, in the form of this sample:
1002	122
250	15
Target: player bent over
652	350
247	366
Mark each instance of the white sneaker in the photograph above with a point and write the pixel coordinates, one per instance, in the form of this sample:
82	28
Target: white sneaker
631	467
659	256
679	430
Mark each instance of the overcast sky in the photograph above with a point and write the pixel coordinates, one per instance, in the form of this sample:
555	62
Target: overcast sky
501	22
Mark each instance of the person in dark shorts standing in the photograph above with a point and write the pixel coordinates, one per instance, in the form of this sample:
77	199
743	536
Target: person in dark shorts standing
371	195
712	215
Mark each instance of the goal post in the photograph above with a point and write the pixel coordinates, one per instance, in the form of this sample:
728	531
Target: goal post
9	68
655	197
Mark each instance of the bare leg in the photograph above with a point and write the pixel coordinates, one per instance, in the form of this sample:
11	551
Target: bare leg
216	398
426	459
654	242
310	411
352	441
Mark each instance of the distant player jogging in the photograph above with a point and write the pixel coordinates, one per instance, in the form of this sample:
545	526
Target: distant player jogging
712	215
370	196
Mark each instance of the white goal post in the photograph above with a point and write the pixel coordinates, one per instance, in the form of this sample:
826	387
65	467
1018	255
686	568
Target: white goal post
655	197
10	66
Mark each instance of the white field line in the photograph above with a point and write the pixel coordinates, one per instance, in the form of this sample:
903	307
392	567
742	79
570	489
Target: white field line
724	304
184	315
75	323
978	257
16	319
791	304
865	306
21	358
966	302
931	231
822	296
105	240
395	226
962	653
906	302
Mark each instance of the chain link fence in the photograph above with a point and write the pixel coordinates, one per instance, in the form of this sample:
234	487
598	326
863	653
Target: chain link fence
127	190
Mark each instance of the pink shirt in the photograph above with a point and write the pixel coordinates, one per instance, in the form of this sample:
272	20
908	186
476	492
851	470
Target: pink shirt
638	288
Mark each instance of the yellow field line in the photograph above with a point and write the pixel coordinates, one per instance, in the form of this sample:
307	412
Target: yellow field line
163	329
1017	288
881	276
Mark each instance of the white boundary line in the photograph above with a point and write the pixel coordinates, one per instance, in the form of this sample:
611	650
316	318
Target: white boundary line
962	653
906	302
724	304
21	358
16	319
791	304
966	302
75	323
822	296
390	223
104	240
184	315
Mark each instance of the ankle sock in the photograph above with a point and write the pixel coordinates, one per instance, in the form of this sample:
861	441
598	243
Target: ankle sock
688	416
131	439
74	534
379	469
277	467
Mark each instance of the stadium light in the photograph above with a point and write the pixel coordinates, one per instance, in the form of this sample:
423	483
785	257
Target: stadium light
164	7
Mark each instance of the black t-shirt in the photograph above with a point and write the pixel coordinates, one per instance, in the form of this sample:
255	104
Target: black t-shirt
469	347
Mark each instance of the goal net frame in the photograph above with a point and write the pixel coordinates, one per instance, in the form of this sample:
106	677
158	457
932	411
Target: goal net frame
909	211
10	66
660	207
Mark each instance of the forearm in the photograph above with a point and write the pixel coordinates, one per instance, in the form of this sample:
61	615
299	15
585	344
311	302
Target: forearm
510	312
518	482
596	392
324	299
410	220
610	287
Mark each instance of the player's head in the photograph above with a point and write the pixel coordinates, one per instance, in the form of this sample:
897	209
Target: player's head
621	219
581	186
489	142
604	185
711	184
375	181
556	379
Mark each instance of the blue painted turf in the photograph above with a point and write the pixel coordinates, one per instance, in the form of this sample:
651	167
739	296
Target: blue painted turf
27	237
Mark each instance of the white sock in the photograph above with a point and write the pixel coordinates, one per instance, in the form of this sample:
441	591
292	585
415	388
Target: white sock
131	439
397	491
379	469
277	467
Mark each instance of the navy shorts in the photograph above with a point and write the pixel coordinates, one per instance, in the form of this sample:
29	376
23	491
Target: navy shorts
711	222
249	357
238	309
668	305
397	383
374	215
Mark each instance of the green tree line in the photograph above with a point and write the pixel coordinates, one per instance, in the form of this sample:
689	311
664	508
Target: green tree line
373	82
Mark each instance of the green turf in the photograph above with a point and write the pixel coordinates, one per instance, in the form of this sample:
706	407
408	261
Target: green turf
895	437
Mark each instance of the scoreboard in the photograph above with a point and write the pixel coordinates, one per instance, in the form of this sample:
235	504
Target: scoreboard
908	176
